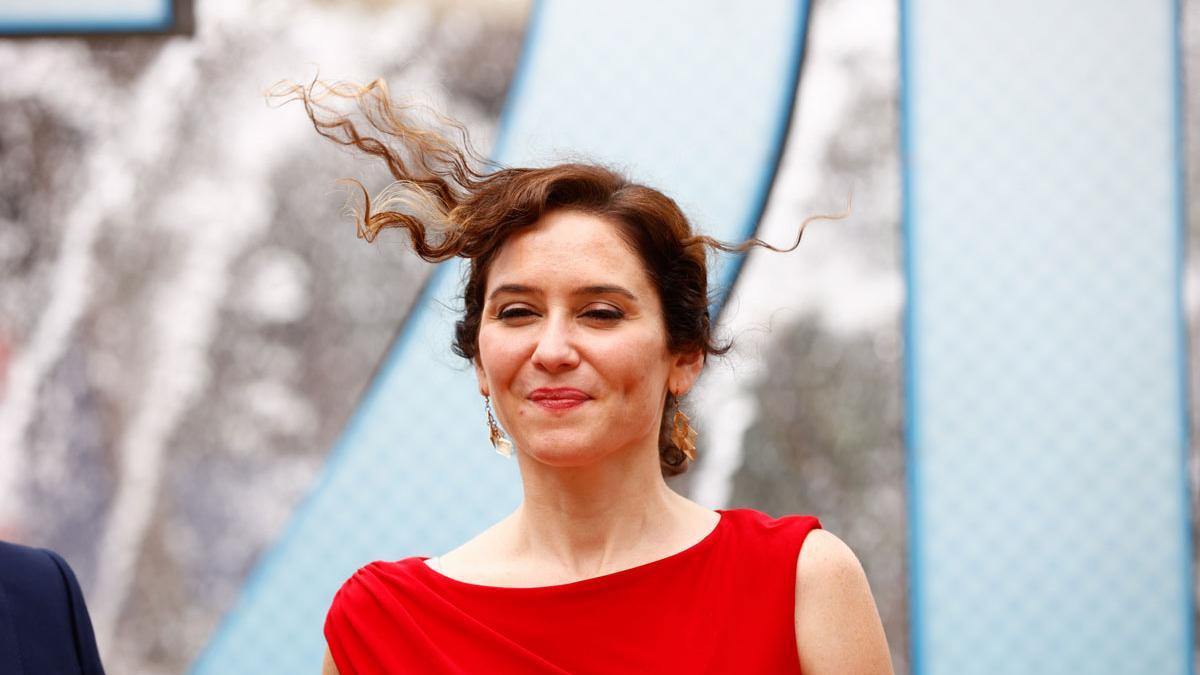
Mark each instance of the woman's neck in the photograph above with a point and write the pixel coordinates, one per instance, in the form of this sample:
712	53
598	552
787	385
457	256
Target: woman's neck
581	522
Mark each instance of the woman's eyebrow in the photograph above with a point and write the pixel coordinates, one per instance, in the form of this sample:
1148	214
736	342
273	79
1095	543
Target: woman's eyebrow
605	289
596	289
510	288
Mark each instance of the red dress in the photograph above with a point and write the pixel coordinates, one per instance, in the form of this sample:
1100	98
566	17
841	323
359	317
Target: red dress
724	605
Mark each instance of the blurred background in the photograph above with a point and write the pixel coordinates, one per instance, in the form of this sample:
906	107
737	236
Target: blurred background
190	331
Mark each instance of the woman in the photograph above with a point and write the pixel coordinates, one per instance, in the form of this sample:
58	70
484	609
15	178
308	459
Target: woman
586	321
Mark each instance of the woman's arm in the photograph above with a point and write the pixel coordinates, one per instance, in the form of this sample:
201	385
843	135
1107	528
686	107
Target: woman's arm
329	668
838	630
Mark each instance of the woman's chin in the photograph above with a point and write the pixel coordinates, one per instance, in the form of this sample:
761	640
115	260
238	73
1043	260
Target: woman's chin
568	453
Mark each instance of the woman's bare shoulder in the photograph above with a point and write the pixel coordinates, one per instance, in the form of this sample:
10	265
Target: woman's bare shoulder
838	629
824	553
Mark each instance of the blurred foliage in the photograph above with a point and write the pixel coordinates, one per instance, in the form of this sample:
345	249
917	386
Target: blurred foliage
828	441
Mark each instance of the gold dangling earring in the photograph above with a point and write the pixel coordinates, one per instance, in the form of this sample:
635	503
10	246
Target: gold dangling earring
682	433
499	442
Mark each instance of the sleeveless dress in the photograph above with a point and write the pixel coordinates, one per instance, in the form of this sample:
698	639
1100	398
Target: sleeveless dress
723	605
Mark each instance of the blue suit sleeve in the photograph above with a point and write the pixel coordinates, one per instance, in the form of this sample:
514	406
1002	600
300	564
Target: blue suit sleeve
81	622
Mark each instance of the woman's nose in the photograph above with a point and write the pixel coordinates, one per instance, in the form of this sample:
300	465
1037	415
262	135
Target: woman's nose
555	348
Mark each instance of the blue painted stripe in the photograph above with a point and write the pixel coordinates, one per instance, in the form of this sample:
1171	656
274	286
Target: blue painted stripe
762	196
912	432
274	553
520	80
1177	109
163	21
916	608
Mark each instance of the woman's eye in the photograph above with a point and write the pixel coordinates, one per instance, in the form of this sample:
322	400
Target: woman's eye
514	313
604	314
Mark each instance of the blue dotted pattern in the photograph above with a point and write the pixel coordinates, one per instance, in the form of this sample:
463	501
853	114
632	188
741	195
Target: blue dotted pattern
1046	358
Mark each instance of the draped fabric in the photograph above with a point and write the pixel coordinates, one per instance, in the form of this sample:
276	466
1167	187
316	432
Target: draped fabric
725	604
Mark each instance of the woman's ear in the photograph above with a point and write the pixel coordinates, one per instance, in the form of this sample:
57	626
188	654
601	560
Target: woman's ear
685	368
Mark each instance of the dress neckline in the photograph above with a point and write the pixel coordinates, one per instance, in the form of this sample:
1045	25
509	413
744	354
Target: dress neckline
591	582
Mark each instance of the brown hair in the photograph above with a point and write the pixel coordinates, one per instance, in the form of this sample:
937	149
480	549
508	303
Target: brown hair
451	204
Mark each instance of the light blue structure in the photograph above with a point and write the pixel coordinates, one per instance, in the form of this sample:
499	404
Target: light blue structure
691	97
1047	401
20	17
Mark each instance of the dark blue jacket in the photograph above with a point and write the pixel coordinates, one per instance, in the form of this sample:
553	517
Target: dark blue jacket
44	625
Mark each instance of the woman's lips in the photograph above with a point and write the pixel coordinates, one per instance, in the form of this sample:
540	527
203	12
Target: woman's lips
559	398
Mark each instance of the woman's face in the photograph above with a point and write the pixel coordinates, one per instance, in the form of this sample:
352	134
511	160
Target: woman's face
573	345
